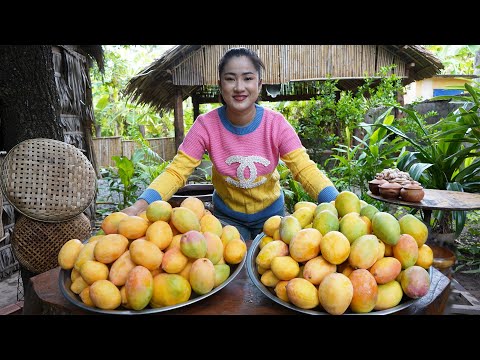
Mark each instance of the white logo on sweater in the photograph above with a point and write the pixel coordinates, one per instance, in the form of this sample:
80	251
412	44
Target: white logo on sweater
246	161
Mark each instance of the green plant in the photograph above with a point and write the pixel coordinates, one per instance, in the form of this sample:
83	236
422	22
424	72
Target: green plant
356	165
446	155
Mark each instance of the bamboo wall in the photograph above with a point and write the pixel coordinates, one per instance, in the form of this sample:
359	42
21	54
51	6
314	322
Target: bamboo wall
286	63
106	147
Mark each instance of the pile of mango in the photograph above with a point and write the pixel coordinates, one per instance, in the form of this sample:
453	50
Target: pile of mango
344	255
159	258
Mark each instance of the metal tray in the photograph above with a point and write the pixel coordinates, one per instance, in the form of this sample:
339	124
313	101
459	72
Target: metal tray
64	282
254	276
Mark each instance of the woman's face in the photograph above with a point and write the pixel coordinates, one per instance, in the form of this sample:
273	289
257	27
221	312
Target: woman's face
240	84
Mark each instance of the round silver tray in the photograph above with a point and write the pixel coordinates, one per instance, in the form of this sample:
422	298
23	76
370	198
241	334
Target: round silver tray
64	282
254	276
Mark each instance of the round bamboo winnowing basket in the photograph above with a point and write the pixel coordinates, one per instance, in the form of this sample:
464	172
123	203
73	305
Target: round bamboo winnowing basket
36	244
48	180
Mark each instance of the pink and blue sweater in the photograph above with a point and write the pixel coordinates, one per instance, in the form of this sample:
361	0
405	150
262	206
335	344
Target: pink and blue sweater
244	161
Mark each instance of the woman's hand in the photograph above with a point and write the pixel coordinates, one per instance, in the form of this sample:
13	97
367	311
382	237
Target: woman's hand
135	209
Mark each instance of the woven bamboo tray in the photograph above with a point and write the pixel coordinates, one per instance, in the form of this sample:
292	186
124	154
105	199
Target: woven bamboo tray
36	244
48	180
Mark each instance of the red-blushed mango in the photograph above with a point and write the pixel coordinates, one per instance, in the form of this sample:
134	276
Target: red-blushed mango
326	206
195	204
145	253
409	224
269	251
173	261
92	271
269	279
281	290
347	202
139	287
193	244
365	291
335	247
335	293
110	222
222	272
85	297
169	290
368	222
68	253
326	221
132	227
316	269
363	252
271	224
235	251
159	233
302	293
304	215
415	282
289	227
120	268
386	227
284	267
157	271
386	269
110	248
352	226
406	250
305	245
210	223
425	256
202	276
159	210
214	247
86	253
184	219
389	295
105	295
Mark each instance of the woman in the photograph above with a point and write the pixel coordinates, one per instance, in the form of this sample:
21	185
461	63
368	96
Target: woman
245	142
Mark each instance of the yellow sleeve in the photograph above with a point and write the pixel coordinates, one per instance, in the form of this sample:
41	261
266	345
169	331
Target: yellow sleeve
306	172
175	175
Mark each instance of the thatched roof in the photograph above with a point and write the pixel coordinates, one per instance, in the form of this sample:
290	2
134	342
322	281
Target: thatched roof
294	69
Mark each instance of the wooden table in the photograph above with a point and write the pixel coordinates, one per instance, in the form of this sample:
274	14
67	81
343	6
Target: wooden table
239	297
437	200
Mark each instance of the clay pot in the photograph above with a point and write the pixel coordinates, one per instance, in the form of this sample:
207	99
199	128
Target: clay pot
412	193
374	184
390	190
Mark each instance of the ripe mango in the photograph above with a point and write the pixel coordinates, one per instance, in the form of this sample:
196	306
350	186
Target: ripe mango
139	287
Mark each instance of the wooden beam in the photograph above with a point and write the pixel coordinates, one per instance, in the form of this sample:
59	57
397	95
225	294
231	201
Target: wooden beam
196	107
178	118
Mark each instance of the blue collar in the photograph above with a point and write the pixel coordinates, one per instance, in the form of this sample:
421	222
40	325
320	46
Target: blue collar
222	113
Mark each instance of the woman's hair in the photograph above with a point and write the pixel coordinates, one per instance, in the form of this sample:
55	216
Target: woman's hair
240	51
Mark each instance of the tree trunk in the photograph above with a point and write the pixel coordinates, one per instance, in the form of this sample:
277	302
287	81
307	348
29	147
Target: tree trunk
29	102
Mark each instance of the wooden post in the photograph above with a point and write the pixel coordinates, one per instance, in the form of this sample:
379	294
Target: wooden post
196	107
178	118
